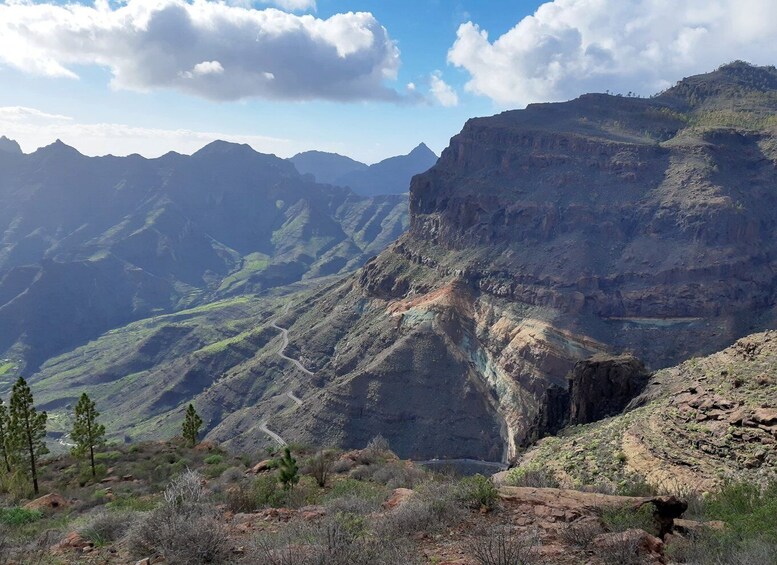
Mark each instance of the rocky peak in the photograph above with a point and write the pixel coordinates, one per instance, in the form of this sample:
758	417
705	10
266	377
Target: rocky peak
9	146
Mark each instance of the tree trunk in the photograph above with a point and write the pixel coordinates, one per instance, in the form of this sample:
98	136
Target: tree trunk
32	456
91	456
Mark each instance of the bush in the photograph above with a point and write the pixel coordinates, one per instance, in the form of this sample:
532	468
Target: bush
320	466
184	533
535	478
232	475
433	507
581	533
622	519
500	547
19	516
750	514
478	492
749	511
107	527
397	474
334	541
241	497
185	528
213	459
267	491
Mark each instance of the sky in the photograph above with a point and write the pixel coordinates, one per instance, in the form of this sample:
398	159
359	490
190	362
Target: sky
364	78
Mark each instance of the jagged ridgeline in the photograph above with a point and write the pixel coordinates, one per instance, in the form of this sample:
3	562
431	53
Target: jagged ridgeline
91	244
541	237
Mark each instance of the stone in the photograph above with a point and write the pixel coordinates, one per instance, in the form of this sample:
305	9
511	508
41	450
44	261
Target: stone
50	501
603	385
262	467
398	497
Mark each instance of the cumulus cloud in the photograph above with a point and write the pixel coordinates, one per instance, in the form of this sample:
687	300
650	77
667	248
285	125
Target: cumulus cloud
293	5
33	128
442	91
573	46
210	49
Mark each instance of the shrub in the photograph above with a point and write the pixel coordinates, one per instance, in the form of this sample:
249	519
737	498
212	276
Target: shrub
581	533
622	519
625	551
267	491
500	547
478	492
397	474
232	475
107	527
184	533
336	540
433	507
358	489
535	478
749	511
19	516
242	498
320	466
185	528
214	459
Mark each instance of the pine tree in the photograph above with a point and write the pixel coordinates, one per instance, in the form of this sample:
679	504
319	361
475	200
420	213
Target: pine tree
26	429
289	471
4	435
191	426
87	433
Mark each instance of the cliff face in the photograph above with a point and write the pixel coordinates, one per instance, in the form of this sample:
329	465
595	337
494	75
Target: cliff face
604	224
540	238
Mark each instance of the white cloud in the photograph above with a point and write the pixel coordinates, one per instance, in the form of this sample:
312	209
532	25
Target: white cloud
573	46
209	49
442	91
293	5
33	128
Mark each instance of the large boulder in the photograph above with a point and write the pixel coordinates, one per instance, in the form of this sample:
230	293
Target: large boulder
603	385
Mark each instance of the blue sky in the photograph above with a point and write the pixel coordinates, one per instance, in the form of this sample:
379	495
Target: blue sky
317	77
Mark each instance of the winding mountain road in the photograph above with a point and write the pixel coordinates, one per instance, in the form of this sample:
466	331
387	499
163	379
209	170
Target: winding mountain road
278	439
296	362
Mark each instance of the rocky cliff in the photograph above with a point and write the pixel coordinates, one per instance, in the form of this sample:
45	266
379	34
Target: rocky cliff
541	238
546	235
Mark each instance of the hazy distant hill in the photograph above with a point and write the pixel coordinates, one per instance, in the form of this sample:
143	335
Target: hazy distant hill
91	243
390	176
326	167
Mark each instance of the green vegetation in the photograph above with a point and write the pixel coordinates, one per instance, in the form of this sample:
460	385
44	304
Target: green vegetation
191	426
478	492
19	516
288	470
87	433
25	441
6	367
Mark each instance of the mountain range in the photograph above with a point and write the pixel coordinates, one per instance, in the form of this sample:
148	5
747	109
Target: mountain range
91	243
540	238
389	176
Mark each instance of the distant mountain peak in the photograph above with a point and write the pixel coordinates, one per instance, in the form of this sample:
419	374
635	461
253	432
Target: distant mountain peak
221	147
422	149
9	146
58	148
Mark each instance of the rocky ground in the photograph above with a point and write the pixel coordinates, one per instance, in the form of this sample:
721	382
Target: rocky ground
697	425
164	503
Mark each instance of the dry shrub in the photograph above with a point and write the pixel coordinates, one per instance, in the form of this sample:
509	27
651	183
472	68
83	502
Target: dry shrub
625	550
185	529
582	532
337	540
502	547
106	527
432	508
